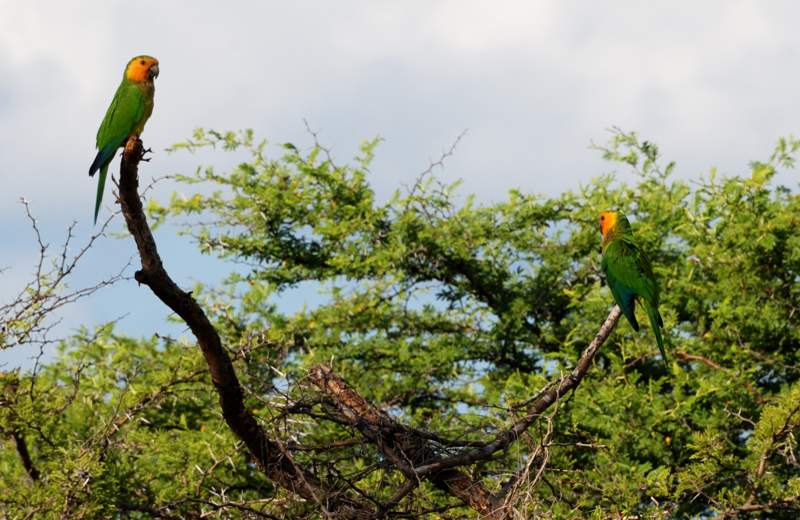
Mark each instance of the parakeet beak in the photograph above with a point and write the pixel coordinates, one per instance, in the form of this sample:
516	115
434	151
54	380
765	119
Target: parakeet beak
154	70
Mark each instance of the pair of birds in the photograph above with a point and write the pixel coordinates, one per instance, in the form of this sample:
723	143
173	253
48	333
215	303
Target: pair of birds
627	268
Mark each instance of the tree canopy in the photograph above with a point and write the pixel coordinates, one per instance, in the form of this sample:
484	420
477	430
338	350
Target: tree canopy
443	324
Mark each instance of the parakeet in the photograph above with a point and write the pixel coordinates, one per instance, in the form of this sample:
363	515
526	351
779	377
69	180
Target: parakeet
129	111
629	273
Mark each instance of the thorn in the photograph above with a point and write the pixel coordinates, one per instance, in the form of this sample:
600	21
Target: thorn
146	152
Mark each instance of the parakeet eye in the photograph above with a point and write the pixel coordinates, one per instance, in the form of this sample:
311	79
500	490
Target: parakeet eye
602	217
143	62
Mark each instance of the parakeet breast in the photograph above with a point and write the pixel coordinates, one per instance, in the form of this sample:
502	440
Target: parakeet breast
148	93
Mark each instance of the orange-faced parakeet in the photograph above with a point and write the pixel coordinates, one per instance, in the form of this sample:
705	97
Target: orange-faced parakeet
129	111
629	274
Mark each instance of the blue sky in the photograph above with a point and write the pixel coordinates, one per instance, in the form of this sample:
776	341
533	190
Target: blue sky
713	83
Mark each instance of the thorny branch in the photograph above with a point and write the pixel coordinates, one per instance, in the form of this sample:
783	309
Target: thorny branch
26	320
399	444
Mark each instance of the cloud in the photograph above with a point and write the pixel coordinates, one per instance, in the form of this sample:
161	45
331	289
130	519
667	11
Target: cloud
714	84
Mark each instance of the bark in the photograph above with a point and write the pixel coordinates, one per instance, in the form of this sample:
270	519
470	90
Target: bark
403	446
24	455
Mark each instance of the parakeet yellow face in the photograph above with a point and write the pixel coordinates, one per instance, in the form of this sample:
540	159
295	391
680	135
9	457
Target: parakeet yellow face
608	219
142	68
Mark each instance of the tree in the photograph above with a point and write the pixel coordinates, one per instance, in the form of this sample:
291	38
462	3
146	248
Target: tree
461	364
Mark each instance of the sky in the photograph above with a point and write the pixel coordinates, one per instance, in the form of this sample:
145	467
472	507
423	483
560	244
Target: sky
533	83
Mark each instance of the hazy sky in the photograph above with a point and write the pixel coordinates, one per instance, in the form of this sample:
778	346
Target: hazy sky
713	84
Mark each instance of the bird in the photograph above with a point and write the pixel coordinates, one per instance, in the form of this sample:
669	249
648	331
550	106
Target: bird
129	111
629	273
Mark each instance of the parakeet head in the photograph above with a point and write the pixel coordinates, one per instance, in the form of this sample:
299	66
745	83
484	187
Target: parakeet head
608	219
142	69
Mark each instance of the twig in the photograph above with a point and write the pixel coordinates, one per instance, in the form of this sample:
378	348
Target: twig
692	357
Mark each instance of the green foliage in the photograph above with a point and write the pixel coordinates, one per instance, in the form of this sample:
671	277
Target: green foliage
446	313
110	420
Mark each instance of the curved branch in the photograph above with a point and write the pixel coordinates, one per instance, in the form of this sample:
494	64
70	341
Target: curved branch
505	438
267	454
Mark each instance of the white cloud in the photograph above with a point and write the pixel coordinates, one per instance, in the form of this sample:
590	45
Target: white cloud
713	83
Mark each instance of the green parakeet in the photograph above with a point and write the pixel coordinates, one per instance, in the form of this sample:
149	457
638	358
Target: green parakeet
129	111
629	274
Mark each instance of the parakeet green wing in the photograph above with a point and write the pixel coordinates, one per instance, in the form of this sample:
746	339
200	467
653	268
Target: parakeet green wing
125	110
630	275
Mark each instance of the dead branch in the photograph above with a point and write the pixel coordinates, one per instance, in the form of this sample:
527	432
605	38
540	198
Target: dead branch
418	457
400	445
29	317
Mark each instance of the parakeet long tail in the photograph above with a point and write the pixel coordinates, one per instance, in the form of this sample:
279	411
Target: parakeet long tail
101	182
656	323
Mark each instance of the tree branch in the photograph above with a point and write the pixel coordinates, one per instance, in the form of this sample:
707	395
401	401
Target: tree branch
779	504
692	357
267	455
417	458
24	455
505	438
402	446
16	435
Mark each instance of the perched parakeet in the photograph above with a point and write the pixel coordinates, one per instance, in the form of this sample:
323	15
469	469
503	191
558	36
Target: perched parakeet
129	111
629	273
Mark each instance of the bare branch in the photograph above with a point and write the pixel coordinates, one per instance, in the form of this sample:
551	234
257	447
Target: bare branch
566	384
400	445
28	318
270	459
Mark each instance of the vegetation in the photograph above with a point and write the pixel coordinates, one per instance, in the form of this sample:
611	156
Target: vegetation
442	326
